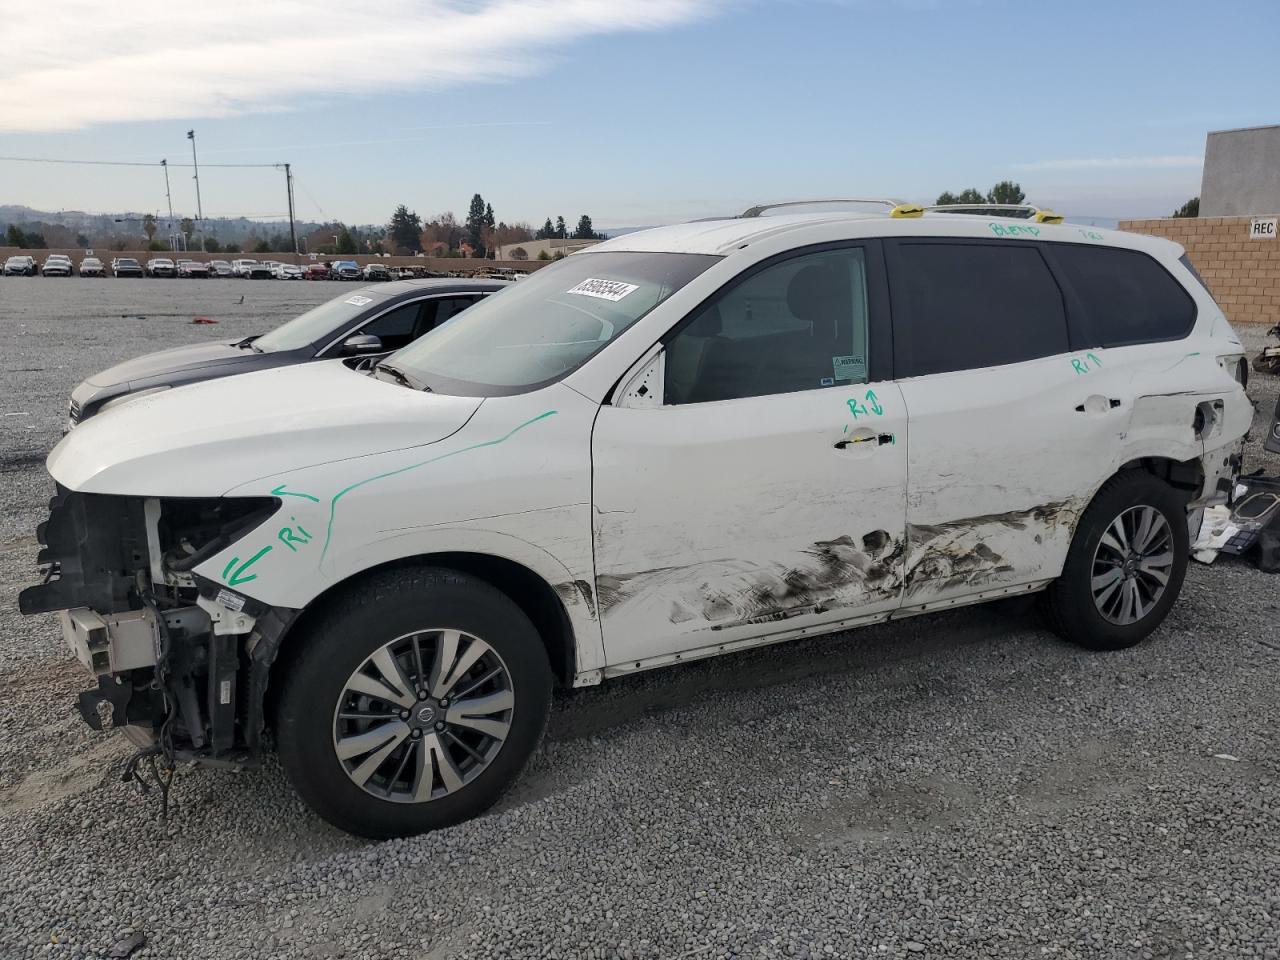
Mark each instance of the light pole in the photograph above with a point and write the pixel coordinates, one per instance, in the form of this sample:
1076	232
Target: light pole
191	135
167	195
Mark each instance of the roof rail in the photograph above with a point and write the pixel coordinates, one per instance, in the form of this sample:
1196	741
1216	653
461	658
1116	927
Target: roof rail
756	211
997	209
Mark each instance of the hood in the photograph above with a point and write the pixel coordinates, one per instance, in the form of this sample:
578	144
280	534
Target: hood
202	440
172	361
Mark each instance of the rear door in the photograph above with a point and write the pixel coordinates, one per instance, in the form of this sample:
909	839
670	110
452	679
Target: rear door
1011	428
765	493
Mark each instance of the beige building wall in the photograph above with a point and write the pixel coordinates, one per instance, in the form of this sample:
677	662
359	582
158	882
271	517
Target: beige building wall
1243	274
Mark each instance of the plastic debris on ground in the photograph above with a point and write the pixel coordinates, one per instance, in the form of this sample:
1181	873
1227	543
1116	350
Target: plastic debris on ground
1249	527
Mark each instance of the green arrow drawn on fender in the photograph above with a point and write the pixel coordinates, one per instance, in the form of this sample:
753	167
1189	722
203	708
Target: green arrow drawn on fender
238	578
280	491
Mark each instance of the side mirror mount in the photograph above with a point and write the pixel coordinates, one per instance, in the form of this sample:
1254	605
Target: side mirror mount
361	343
643	388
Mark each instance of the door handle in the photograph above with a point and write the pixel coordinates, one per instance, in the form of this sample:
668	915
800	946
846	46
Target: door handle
1097	404
879	439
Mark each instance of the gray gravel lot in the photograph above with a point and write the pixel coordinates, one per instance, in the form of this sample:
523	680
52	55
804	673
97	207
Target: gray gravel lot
958	785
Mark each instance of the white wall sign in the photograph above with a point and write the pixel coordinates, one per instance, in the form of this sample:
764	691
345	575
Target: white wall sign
1262	228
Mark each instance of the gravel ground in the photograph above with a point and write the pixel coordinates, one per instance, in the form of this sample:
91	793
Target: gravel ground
958	785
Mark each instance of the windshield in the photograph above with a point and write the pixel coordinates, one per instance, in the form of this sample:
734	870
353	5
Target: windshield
318	323
538	330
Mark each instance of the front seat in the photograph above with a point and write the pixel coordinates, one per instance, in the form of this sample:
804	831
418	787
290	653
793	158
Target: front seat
818	295
687	356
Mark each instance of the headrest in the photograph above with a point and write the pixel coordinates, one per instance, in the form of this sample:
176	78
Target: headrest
707	323
812	291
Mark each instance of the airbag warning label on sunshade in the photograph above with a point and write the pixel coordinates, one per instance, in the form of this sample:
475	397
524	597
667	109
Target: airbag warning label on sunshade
613	290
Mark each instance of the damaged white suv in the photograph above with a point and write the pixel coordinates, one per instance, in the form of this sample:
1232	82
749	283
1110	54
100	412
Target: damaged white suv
680	443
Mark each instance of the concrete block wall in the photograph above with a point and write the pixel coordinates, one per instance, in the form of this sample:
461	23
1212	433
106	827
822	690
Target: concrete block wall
1243	274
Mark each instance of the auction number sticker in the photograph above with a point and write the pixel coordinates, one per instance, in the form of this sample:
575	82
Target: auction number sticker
358	301
612	290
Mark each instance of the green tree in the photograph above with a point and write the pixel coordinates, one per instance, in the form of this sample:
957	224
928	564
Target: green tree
946	197
188	227
476	224
1189	209
231	247
488	216
35	239
406	229
211	245
543	255
14	237
157	245
82	240
262	246
1006	191
519	253
584	231
149	226
547	232
560	231
346	242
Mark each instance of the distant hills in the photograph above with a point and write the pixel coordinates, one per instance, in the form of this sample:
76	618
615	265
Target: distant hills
100	228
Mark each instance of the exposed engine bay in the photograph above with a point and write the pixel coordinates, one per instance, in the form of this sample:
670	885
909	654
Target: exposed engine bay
181	661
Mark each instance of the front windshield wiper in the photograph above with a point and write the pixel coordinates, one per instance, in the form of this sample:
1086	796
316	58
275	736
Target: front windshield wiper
247	343
399	376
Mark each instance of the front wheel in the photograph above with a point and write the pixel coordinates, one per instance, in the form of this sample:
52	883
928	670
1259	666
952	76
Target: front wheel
413	703
1125	566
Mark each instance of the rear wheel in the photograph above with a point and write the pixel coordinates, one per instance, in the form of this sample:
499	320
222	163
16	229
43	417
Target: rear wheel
1125	566
413	704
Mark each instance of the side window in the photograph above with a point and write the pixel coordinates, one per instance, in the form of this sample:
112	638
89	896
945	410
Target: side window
436	312
1127	296
796	325
395	328
971	305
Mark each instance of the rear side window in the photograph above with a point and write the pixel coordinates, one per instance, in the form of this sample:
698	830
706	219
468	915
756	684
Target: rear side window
960	306
1127	296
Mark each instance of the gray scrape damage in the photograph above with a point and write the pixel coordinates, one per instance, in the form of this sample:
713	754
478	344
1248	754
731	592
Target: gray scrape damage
831	574
959	553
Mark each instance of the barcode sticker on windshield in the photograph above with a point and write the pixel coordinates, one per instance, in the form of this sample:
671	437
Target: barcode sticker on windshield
613	290
358	301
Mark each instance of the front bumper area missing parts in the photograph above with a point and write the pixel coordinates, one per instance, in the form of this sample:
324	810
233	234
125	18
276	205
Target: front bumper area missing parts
168	672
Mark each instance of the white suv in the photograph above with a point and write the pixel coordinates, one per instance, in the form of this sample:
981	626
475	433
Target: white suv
679	443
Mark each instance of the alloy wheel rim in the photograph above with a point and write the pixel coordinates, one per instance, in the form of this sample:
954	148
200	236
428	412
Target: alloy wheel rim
1132	565
423	716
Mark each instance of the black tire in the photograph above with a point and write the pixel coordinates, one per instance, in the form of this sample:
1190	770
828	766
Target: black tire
350	629
1069	605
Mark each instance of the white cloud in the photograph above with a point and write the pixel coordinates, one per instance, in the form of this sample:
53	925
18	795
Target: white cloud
77	63
1116	163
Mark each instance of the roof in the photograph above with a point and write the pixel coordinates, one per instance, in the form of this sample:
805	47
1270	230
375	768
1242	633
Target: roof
722	237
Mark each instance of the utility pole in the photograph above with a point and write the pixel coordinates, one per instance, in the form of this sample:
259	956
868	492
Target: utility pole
167	195
293	233
191	135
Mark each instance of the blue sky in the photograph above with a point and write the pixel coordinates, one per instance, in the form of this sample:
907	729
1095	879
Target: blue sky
637	113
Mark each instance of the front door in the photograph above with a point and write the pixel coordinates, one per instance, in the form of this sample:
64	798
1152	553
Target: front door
766	493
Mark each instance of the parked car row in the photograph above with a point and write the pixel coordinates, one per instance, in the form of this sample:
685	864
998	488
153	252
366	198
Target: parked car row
61	265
